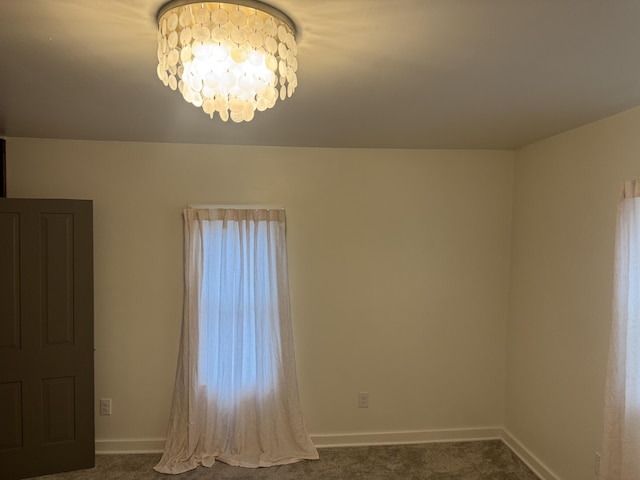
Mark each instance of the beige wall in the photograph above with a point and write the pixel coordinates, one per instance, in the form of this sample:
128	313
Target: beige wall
399	265
566	190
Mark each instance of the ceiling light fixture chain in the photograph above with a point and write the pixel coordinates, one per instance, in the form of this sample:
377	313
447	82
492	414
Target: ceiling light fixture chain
231	58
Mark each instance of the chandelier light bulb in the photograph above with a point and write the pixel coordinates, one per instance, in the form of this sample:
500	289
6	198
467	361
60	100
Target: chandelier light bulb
230	58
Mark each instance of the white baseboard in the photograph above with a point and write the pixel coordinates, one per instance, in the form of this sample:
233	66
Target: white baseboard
407	437
156	445
533	462
141	445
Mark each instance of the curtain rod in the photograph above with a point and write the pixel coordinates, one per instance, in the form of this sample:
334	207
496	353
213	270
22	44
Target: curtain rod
241	207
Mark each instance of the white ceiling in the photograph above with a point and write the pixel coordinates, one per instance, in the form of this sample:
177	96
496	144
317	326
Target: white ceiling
373	73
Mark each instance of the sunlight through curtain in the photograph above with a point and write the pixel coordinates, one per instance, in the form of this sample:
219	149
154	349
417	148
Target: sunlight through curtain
236	395
621	445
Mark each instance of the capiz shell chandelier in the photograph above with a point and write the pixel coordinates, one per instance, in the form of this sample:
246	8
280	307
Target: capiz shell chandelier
230	58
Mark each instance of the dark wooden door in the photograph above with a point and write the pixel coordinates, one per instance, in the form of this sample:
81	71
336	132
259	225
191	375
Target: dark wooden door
46	337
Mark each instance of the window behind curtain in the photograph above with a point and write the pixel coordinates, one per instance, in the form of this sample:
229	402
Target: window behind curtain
239	309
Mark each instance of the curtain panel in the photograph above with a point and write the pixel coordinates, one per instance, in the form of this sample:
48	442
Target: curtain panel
236	394
621	445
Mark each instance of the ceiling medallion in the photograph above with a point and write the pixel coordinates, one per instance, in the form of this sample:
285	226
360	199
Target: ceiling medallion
230	58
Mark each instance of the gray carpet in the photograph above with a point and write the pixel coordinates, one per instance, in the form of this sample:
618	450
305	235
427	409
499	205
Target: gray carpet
482	460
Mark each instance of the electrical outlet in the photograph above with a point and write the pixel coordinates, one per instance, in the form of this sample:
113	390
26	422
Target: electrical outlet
105	406
363	400
596	464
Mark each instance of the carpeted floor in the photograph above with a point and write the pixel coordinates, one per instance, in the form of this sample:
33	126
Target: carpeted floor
482	460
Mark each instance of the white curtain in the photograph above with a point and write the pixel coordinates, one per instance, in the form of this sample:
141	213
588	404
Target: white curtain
236	395
621	446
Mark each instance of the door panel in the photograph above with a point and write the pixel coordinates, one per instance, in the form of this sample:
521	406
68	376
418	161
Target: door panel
10	415
56	278
9	280
59	407
46	337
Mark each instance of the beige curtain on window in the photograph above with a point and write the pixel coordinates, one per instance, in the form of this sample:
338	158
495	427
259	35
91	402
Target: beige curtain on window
621	446
236	395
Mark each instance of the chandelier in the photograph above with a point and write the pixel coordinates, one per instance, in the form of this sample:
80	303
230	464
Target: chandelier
230	58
